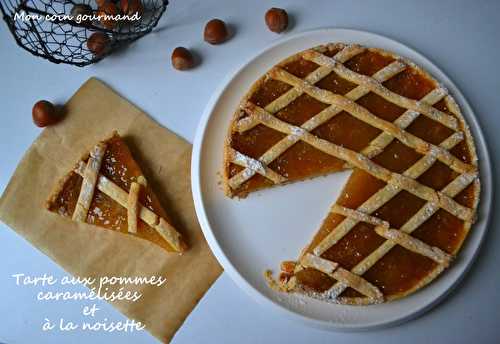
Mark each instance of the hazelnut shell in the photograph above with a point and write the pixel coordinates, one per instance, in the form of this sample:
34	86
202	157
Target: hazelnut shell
101	3
109	8
276	19
81	9
98	43
130	7
182	59
215	31
44	113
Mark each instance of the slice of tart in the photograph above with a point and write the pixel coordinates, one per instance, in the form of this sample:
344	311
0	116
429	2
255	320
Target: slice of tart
413	192
108	189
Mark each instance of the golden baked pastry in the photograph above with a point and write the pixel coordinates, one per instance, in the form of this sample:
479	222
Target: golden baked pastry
108	189
413	192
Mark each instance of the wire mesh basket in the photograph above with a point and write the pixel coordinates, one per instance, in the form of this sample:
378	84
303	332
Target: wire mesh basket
50	29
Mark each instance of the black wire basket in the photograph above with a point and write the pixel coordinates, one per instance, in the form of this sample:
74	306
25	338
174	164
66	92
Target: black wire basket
62	40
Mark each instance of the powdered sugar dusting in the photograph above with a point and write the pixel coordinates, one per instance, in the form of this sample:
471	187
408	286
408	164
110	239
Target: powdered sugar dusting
250	163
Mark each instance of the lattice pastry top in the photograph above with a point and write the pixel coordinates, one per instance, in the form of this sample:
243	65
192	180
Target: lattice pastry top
107	189
414	189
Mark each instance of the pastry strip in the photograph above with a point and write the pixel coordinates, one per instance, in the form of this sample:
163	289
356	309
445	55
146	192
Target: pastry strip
121	197
348	278
311	124
377	145
387	192
319	73
324	265
413	244
359	216
168	232
253	165
357	283
366	116
89	175
141	180
381	197
453	189
133	206
360	161
376	87
133	203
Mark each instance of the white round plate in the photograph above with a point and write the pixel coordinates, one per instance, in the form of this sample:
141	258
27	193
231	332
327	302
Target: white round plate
254	234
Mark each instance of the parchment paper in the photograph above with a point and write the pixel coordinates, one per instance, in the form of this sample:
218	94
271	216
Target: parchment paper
84	250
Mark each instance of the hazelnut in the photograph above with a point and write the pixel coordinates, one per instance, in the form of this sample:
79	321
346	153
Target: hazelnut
109	9
131	7
81	10
276	19
215	31
44	113
98	43
101	3
182	59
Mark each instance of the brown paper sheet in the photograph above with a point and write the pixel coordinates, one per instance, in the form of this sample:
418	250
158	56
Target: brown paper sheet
84	250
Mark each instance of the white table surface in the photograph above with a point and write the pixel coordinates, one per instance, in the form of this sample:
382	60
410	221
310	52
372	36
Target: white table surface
461	37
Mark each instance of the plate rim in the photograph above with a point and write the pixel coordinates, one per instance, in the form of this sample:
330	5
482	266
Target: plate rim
237	277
